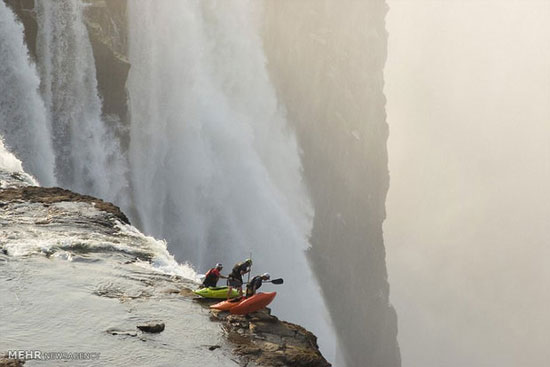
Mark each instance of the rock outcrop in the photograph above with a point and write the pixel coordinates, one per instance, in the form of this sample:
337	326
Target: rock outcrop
152	327
261	339
50	195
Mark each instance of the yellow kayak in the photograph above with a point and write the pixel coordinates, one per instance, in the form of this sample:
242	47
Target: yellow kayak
216	292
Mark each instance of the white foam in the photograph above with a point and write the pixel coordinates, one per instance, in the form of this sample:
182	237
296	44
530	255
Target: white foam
65	235
8	161
10	164
162	260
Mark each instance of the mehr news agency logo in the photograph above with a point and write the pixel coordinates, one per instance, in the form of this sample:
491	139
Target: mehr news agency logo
51	356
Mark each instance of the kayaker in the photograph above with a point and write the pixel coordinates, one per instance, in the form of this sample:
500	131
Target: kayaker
212	276
235	279
256	283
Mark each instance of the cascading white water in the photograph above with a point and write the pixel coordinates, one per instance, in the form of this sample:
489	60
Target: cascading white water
11	170
88	157
214	168
23	121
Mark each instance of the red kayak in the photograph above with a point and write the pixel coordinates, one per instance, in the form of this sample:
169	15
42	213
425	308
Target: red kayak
228	304
254	303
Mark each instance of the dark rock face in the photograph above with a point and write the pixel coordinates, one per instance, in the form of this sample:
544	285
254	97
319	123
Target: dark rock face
152	327
108	30
326	60
50	195
262	340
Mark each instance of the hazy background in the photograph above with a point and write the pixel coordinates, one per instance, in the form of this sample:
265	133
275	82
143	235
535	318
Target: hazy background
467	232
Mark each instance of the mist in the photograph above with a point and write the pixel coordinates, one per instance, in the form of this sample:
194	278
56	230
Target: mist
467	235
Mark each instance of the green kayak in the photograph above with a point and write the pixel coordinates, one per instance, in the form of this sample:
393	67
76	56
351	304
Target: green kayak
215	292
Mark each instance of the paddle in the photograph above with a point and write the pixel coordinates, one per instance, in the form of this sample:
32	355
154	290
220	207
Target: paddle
249	268
275	281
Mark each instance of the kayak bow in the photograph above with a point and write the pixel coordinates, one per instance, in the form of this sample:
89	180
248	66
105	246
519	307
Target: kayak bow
215	292
254	303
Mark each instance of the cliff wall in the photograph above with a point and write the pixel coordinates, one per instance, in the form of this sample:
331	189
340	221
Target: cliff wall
108	30
326	60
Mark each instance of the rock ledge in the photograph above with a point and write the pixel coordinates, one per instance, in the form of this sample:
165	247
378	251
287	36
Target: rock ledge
261	339
50	195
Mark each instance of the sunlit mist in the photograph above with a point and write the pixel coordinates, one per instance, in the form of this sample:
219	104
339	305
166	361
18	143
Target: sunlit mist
467	235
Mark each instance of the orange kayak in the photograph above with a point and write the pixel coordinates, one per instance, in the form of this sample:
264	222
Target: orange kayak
227	304
254	303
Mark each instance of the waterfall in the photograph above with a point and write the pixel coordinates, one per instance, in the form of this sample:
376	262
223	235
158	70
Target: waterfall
214	167
88	157
23	122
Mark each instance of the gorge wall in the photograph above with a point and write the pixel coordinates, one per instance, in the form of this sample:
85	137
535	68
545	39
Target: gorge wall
326	60
108	30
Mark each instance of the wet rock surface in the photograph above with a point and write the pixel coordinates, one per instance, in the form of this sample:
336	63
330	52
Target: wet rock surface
261	339
152	327
50	195
115	331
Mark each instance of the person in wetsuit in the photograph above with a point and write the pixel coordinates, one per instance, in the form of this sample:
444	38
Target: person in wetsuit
235	279
256	283
212	276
